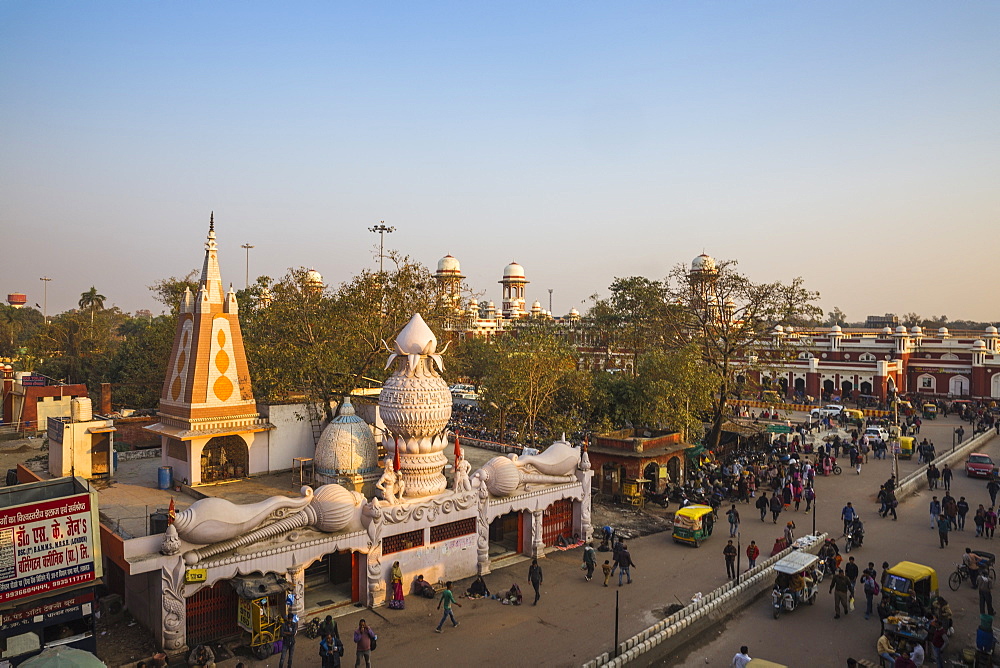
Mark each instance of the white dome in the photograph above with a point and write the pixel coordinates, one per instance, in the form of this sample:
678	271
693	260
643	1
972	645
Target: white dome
979	343
779	328
887	330
573	311
789	330
491	306
917	329
473	302
901	329
449	265
836	329
536	305
513	270
991	330
703	263
346	447
314	279
943	331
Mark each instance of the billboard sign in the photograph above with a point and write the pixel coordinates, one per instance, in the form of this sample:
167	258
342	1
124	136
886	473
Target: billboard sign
33	381
48	545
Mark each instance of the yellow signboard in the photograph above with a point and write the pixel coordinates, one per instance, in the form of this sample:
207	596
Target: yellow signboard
193	575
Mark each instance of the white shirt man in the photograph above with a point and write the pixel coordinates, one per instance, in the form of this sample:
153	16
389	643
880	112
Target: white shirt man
742	658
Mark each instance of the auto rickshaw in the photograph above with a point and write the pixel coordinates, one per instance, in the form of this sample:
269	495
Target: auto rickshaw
909	588
796	582
930	411
906	447
854	416
693	524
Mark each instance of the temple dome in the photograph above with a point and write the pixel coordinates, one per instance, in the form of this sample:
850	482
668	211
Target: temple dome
703	263
347	445
449	264
513	270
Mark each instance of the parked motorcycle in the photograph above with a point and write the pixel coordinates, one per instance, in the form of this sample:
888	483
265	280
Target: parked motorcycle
660	498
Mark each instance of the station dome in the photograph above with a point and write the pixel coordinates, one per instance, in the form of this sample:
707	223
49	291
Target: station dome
979	344
916	329
449	265
779	329
513	270
901	329
703	264
943	331
346	447
887	330
836	329
991	330
314	280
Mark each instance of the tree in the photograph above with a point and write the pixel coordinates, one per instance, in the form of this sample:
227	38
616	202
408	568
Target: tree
910	319
730	319
168	291
836	317
634	317
92	300
526	371
677	388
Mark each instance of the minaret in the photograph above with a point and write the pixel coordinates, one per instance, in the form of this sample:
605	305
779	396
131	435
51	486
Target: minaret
513	290
207	387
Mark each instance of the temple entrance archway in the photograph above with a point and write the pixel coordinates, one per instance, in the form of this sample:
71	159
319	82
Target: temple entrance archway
330	580
506	535
674	470
224	458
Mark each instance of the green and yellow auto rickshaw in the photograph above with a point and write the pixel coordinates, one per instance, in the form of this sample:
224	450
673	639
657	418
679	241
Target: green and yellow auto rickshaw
693	524
909	588
930	411
906	447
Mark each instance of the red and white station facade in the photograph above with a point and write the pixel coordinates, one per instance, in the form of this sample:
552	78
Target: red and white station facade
876	362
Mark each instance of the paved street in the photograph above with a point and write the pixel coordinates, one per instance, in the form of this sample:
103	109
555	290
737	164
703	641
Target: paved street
574	620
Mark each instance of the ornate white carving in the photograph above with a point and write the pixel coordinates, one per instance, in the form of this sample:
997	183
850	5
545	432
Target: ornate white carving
372	517
428	510
462	469
174	607
391	485
483	531
213	519
537	542
296	576
415	404
171	543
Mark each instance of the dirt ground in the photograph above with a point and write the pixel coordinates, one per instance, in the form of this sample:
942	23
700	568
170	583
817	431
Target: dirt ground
19	451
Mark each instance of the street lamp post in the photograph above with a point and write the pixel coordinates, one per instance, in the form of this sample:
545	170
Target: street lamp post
382	229
247	247
45	298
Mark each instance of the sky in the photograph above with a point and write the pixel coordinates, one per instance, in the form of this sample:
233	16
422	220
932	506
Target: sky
854	144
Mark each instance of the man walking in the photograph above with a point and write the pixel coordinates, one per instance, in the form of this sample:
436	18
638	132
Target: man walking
762	505
288	631
993	486
963	510
871	589
985	592
742	658
946	475
847	514
851	571
535	576
734	520
729	552
753	552
776	507
840	587
944	526
589	560
447	600
935	510
624	563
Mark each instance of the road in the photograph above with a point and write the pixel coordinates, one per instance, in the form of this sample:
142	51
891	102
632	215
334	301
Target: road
574	621
810	635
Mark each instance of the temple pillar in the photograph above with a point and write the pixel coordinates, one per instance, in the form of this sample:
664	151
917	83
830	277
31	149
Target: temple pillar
483	532
297	577
173	617
537	543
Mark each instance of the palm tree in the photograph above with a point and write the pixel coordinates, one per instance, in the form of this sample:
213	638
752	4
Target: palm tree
93	300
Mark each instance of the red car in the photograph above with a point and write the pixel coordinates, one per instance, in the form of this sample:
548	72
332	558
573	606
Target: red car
979	465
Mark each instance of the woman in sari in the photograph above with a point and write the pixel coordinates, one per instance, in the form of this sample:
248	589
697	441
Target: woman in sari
397	587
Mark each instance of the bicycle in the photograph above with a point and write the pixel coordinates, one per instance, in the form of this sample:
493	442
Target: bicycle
962	574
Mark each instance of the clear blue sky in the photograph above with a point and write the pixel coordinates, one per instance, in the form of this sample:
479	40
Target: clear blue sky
856	144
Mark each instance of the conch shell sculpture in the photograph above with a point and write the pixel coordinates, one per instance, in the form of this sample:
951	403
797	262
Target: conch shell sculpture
503	475
331	508
211	520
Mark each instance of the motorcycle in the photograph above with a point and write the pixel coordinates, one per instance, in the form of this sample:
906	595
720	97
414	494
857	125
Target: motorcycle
662	498
854	537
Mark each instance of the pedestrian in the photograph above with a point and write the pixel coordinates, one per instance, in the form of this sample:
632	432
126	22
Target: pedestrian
762	505
742	658
589	560
851	571
810	495
753	552
938	636
946	475
607	571
963	510
776	507
447	600
944	526
624	564
991	522
935	509
289	628
734	520
331	649
950	509
729	552
535	576
871	590
971	562
363	637
985	583
847	514
790	533
840	587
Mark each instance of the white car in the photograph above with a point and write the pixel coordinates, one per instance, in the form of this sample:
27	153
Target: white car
832	410
876	434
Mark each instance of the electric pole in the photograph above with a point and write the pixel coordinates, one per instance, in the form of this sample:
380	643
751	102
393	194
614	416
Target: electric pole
247	247
45	299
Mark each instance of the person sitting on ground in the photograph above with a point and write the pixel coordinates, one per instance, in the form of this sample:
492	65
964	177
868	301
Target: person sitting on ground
513	596
202	656
478	588
422	587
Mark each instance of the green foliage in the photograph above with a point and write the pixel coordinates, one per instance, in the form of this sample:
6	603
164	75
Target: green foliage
168	291
18	326
139	365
